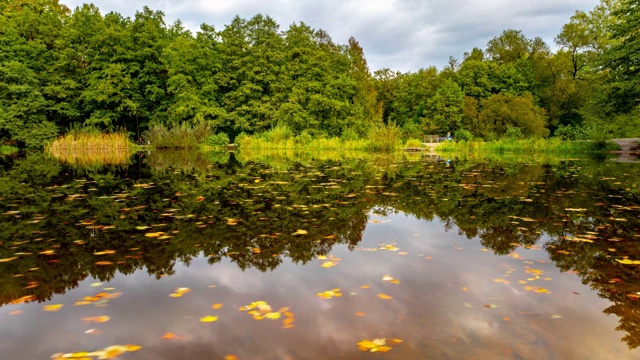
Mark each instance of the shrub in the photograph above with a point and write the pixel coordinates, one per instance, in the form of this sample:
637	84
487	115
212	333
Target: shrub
513	133
571	133
384	138
218	141
413	143
463	135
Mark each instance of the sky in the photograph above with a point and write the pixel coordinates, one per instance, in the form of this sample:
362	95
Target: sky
403	35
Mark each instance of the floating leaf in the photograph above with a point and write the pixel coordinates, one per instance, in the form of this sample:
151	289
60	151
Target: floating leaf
7	259
97	319
105	252
375	345
390	279
179	292
329	294
300	232
54	307
360	313
208	319
328	264
385	297
216	306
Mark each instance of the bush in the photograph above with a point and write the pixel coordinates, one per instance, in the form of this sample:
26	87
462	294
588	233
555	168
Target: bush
279	133
571	133
413	143
178	136
349	135
384	138
303	139
463	135
411	130
513	133
218	141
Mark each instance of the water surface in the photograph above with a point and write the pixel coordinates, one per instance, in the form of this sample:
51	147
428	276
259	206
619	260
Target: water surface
202	257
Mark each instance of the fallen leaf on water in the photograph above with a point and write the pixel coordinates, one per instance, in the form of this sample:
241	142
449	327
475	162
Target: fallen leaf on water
104	262
53	307
556	317
97	319
105	252
300	232
360	313
628	262
328	264
365	286
329	294
216	306
7	259
16	312
506	318
110	352
169	336
375	345
385	297
464	288
230	357
179	292
23	299
208	319
390	279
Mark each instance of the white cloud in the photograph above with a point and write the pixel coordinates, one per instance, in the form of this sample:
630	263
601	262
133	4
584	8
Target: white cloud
398	34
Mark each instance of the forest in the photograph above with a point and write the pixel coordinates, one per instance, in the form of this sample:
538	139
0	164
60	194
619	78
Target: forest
64	70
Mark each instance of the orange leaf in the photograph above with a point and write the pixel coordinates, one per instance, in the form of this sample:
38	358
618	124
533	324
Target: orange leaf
216	306
97	319
385	297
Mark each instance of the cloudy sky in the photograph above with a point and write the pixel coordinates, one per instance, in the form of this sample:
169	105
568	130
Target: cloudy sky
403	35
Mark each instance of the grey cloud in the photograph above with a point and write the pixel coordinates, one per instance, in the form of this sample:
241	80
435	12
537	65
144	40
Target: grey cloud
402	35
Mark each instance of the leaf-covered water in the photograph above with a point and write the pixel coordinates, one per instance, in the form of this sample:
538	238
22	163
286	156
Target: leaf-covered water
324	259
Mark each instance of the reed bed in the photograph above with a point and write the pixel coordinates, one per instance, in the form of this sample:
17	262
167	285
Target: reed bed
87	149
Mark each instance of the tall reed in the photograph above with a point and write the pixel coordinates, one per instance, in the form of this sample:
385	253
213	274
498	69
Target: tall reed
81	148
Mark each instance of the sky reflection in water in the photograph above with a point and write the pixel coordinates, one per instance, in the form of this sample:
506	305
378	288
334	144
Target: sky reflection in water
455	299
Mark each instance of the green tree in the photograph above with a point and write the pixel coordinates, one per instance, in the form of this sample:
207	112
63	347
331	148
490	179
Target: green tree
446	107
502	111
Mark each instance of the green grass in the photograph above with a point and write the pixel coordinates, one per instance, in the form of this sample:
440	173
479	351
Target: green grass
8	150
526	146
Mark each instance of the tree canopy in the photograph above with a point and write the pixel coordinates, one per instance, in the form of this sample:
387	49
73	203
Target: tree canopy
62	70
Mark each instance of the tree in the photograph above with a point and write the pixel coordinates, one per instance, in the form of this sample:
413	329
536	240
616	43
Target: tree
446	107
502	111
622	59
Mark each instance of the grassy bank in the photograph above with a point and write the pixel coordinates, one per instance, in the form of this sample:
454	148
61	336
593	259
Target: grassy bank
532	146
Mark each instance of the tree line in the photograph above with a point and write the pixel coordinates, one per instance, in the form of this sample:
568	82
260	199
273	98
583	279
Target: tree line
63	70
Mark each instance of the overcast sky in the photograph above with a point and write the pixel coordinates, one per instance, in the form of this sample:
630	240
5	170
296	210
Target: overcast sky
403	35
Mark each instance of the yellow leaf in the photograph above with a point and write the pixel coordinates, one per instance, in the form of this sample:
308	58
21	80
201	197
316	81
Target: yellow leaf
54	307
208	319
328	264
97	319
385	297
360	313
7	259
216	306
300	232
230	357
273	315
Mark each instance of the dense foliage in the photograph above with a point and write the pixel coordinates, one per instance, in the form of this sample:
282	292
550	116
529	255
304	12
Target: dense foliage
63	70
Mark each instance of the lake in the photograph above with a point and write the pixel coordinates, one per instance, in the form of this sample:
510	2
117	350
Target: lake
216	256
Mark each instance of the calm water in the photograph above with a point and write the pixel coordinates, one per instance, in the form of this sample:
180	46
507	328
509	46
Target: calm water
203	257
